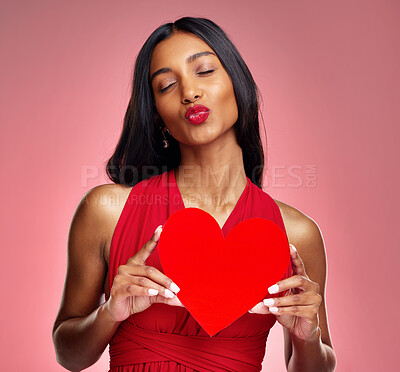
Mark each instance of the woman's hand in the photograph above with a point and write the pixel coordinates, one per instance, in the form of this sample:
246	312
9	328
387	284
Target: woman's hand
297	310
137	286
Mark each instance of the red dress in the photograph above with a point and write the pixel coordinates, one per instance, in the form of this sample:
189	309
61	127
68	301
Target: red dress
168	338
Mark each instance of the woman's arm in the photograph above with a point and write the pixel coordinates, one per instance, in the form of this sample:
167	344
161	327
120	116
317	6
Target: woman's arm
317	354
83	327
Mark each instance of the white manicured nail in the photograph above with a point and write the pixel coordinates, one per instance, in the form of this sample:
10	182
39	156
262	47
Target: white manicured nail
169	294
157	233
174	287
273	289
273	309
153	291
269	301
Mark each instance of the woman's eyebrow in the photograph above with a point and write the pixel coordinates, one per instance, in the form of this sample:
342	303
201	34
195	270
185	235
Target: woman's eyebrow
189	59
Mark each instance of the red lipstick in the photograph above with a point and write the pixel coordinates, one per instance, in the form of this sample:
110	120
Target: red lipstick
197	114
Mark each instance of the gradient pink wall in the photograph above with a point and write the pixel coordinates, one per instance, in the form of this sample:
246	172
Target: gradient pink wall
329	76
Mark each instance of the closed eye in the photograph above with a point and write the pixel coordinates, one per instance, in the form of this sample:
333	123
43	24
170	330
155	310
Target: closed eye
164	89
200	73
205	72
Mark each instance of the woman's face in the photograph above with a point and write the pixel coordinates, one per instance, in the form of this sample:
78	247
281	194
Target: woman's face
183	84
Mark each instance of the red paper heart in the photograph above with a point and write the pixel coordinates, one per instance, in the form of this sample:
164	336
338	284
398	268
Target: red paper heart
221	278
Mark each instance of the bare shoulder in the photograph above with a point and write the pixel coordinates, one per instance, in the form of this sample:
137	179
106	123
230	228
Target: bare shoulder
302	231
94	222
89	234
296	221
107	195
104	203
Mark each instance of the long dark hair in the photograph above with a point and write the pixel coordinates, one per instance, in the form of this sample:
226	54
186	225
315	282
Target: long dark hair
139	153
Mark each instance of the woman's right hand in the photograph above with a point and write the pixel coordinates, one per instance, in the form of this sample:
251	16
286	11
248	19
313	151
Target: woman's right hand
137	286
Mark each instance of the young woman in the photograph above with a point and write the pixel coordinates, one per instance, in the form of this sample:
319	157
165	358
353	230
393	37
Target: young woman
190	139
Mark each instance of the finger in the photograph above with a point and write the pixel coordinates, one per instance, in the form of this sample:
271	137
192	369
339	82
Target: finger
132	290
143	254
152	273
155	288
297	262
308	311
260	308
169	301
295	281
302	299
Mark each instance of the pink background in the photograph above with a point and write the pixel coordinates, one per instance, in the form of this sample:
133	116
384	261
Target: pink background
329	75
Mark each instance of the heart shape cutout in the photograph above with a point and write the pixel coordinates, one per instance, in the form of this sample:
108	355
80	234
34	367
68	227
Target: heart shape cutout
221	278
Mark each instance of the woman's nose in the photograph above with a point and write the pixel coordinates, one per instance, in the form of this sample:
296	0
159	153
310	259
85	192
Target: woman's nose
190	91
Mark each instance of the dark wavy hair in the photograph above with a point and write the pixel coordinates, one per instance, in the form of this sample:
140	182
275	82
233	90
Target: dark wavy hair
140	154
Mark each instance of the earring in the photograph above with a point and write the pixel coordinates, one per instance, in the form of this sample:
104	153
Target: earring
165	141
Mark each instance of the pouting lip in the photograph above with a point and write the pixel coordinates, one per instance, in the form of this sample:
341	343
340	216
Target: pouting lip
195	109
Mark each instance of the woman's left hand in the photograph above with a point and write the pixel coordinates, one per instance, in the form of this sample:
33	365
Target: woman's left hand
297	310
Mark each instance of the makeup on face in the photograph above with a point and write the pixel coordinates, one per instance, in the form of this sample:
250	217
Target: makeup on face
185	76
197	114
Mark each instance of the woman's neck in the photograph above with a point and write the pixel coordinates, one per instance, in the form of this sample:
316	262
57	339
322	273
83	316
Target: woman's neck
215	174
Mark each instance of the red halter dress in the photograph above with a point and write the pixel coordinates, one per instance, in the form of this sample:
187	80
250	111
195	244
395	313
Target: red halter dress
168	338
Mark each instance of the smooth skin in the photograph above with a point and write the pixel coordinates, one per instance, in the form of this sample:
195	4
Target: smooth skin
211	176
82	328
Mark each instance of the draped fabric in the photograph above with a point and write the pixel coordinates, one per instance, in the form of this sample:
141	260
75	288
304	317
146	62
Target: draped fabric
168	338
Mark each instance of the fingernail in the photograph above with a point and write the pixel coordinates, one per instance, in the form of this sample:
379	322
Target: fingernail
273	309
157	233
293	250
268	301
169	294
174	287
273	289
153	291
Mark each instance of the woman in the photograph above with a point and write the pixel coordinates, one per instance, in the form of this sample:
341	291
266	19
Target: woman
193	114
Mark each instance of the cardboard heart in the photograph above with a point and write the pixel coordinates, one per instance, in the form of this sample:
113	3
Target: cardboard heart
221	278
